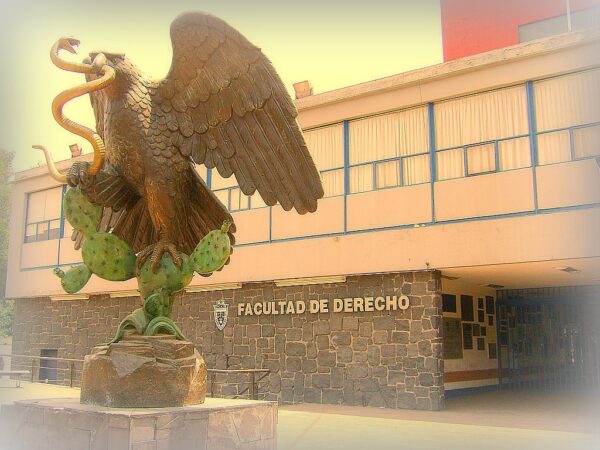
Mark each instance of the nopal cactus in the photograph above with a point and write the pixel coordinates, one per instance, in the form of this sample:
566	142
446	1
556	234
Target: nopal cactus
82	214
108	257
169	277
212	252
74	279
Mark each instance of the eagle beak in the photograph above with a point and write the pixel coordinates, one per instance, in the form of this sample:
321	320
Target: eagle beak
99	61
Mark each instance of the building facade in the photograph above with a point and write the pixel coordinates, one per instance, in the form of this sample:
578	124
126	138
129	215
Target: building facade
476	26
456	243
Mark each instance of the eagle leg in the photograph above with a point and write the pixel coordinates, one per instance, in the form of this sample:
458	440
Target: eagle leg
155	252
79	175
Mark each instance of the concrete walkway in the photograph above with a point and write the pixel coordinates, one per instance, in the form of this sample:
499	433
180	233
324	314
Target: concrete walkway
496	420
488	421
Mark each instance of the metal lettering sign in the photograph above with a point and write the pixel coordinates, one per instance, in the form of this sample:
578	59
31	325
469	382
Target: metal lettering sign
324	305
221	310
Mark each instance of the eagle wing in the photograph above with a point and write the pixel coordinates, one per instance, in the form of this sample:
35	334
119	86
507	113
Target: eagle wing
225	106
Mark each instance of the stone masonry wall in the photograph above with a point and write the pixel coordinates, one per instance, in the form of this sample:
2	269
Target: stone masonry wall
381	358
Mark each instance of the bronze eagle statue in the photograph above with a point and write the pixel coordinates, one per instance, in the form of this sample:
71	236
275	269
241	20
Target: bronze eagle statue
222	105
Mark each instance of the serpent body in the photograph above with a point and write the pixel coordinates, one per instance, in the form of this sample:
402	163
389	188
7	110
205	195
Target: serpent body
107	77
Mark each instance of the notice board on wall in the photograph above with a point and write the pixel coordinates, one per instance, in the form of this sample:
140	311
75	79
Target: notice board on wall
452	338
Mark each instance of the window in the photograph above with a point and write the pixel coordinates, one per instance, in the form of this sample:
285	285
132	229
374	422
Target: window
466	308
48	366
567	117
43	215
227	190
389	150
326	146
448	303
585	18
482	133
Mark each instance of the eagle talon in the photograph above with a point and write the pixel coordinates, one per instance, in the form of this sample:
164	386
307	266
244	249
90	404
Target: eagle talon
79	174
155	253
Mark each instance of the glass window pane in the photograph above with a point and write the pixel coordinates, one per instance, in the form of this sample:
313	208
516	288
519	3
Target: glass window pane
388	174
514	154
257	201
333	182
218	182
586	141
481	159
416	170
553	147
42	231
235	199
30	230
361	178
450	164
389	135
223	195
497	114
202	171
326	146
567	100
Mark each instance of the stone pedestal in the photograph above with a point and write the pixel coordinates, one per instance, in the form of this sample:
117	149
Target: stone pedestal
65	424
144	372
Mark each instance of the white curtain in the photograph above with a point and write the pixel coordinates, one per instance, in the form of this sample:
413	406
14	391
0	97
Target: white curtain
514	153
586	141
482	117
41	206
224	197
450	164
218	182
326	146
388	174
481	158
361	178
416	170
389	135
567	100
553	147
333	182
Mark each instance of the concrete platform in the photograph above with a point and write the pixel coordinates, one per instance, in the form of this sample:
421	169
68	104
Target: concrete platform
65	424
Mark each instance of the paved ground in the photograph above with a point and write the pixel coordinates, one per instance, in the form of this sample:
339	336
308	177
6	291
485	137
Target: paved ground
488	421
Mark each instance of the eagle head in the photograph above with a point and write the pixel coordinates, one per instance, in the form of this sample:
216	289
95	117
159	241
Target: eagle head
126	72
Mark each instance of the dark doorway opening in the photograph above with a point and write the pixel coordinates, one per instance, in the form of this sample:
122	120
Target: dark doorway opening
549	339
48	366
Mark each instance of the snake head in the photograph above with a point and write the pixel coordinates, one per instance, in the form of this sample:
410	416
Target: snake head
68	44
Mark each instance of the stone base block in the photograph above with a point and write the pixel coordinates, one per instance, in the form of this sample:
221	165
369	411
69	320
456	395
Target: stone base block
65	424
144	372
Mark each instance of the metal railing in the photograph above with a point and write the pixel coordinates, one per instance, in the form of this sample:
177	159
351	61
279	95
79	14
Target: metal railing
223	383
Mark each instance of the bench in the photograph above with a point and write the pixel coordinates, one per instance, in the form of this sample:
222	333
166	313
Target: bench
18	373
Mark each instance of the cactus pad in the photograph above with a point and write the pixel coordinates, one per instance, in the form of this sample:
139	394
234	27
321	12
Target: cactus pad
74	279
108	257
83	215
168	277
212	252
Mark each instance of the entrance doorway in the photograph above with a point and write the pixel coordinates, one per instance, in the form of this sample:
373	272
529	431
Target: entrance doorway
549	339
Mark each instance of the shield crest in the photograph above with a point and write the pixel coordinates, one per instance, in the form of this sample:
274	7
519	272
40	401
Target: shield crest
221	309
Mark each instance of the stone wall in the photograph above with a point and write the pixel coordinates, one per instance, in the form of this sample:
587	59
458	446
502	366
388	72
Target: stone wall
381	358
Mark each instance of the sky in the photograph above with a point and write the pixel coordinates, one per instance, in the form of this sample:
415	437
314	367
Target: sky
332	43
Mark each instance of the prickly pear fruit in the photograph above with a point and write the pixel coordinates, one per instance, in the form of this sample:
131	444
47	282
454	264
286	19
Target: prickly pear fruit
108	257
212	251
168	277
74	279
82	214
